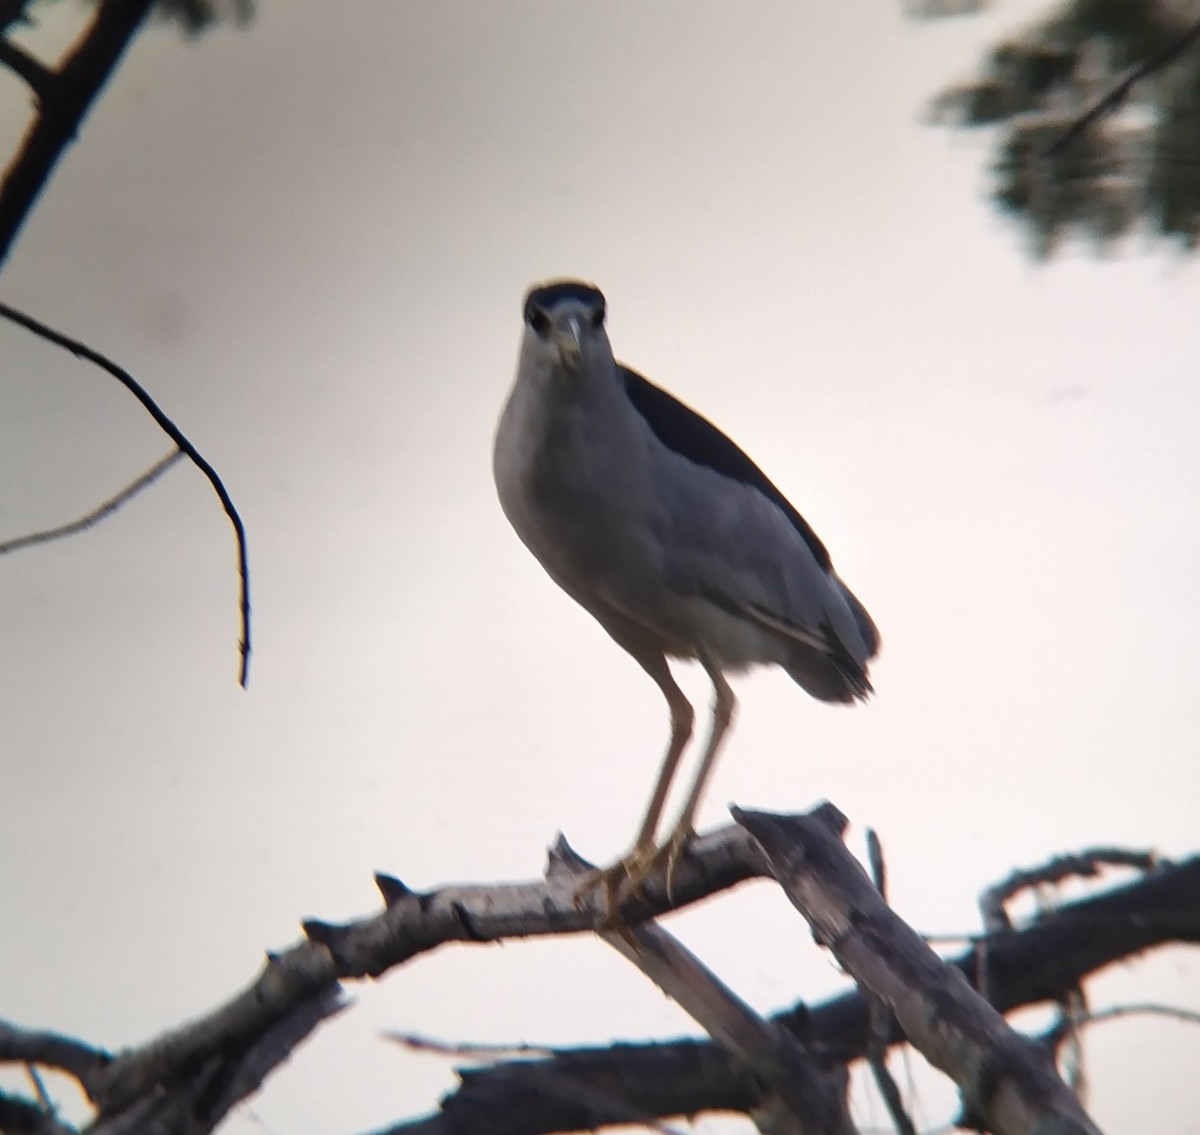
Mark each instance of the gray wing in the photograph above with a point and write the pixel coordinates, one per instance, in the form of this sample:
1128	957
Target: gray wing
727	535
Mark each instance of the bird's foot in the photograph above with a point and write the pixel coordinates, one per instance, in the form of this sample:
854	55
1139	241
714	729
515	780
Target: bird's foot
616	885
672	851
627	876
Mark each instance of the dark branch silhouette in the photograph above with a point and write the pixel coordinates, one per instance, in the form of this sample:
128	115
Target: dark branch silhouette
64	98
172	431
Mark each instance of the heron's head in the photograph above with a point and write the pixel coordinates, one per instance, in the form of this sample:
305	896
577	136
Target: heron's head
564	324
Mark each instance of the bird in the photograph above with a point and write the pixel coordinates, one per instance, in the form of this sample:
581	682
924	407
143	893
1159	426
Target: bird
669	535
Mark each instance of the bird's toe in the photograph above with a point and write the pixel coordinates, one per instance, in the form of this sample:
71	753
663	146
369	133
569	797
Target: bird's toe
614	885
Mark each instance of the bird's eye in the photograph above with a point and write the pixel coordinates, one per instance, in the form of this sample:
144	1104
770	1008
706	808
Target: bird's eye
538	320
598	316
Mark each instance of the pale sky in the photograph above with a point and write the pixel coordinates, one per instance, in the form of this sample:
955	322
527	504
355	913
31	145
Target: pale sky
310	240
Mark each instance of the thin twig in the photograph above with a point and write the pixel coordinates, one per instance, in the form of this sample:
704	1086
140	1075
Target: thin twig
175	434
612	1100
466	1050
1063	1028
1073	1011
1082	865
97	514
39	1086
1118	94
880	1017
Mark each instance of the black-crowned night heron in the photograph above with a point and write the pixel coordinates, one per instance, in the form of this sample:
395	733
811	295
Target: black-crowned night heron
660	526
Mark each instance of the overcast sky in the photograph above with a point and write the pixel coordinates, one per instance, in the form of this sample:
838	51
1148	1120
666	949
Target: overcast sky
310	239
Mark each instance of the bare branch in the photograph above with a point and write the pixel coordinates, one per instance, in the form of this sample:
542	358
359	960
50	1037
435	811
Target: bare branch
1007	1083
1083	865
1062	1029
172	431
51	1050
39	1087
1114	98
799	1097
1027	966
582	1089
881	1018
468	1049
410	925
198	1102
99	512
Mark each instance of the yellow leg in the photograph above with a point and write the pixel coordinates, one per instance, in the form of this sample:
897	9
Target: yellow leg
633	867
724	705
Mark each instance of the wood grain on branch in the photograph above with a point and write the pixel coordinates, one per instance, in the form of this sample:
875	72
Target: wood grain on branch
1009	1084
799	1097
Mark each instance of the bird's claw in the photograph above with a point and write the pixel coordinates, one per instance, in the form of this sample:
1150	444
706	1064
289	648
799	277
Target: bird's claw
673	850
626	878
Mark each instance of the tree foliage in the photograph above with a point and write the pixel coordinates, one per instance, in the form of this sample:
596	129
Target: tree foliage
1135	167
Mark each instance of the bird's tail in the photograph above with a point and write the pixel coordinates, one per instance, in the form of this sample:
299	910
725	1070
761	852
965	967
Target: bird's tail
836	670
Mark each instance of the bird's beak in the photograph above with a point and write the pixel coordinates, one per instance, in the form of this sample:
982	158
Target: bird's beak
569	340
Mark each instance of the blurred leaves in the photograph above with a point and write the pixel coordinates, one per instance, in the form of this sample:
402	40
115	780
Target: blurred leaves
195	16
1135	167
936	9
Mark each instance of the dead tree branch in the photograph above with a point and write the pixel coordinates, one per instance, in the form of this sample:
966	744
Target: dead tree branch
881	1018
185	1079
799	1096
50	1050
1083	865
83	351
1026	966
1009	1085
411	924
196	1103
